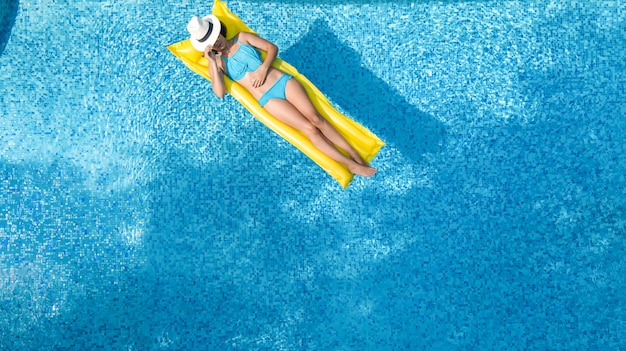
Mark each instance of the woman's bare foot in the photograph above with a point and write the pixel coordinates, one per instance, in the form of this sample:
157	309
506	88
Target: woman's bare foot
364	171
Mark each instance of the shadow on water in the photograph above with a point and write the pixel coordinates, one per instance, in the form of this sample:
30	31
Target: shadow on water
8	12
340	74
535	196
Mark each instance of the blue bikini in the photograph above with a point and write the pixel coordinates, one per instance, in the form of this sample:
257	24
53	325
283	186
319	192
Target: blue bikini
248	59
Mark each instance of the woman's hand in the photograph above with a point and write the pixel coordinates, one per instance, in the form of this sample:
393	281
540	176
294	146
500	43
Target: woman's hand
209	54
258	77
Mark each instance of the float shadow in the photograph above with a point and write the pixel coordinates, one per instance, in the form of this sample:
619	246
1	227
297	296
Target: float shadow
340	74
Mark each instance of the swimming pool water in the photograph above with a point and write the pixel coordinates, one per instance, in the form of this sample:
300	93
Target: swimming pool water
140	212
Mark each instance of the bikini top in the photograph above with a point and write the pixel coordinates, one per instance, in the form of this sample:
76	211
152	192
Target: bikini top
245	59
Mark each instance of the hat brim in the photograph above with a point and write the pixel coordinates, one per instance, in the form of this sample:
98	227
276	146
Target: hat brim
217	26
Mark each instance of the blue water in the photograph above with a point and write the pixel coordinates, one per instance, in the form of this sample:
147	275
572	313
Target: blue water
140	212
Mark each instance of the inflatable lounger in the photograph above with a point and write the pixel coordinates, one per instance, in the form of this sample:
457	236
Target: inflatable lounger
364	142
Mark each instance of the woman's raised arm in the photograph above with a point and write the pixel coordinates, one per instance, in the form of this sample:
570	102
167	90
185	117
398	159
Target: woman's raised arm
216	74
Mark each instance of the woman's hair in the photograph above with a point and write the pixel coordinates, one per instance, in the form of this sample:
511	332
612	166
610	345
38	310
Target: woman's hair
223	29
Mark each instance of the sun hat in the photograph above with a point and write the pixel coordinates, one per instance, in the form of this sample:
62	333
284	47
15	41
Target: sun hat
204	31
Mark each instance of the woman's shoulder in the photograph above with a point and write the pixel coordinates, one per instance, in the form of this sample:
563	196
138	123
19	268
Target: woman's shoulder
244	37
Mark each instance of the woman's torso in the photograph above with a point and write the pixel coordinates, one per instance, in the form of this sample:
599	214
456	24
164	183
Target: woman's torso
241	61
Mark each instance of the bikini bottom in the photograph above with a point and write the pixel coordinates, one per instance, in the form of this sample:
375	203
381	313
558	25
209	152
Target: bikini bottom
276	91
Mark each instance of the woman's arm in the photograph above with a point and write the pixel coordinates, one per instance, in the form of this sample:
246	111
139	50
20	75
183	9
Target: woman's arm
216	74
258	77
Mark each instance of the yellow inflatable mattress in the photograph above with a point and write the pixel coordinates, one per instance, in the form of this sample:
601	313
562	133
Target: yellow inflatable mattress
363	141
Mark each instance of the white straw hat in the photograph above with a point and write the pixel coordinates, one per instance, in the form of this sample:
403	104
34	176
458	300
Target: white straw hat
204	31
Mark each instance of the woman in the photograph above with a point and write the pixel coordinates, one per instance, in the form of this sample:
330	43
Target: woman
281	95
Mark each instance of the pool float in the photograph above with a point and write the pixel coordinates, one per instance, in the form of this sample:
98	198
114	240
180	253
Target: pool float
364	142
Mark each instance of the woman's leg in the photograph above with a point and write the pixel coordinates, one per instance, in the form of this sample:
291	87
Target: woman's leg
298	97
289	114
